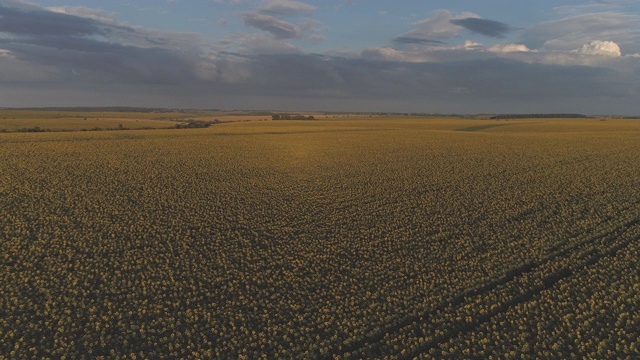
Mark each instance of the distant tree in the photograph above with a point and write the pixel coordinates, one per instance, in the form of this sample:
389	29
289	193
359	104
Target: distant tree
196	124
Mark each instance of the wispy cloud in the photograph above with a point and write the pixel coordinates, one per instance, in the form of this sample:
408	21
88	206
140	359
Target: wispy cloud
278	28
439	26
84	12
268	17
286	8
594	6
414	40
574	31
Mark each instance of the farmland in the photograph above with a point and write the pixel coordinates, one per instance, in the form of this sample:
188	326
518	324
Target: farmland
75	119
358	238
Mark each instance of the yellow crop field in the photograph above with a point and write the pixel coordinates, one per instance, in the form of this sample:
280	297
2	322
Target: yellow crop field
22	120
392	238
26	120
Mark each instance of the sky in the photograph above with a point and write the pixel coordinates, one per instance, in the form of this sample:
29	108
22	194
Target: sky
454	56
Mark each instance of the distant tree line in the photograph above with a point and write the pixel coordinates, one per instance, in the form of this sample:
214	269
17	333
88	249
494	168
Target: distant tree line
33	129
196	124
291	117
538	116
37	129
105	109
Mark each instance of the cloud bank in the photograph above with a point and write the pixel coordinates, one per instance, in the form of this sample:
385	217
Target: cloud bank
82	56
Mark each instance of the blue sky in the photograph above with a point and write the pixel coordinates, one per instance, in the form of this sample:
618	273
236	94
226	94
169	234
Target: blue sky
457	56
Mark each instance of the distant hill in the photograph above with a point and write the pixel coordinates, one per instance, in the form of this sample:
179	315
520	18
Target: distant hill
538	116
105	109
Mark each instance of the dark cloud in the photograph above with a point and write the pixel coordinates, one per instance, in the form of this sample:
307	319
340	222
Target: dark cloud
304	81
110	62
495	80
486	85
416	40
42	22
485	27
278	28
107	51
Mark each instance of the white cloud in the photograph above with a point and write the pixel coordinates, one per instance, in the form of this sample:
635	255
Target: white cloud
508	48
469	50
599	47
471	45
390	54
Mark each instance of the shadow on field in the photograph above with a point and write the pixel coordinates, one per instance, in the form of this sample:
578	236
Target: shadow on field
480	127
